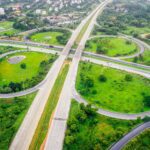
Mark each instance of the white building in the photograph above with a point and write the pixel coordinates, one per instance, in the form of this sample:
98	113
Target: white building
2	11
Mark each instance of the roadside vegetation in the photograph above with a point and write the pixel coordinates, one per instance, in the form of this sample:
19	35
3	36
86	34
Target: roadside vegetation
142	58
25	74
113	89
140	142
6	29
12	113
52	36
126	16
86	129
5	49
111	46
45	121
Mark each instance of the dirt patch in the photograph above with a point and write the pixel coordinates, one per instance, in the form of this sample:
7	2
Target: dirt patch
16	59
48	37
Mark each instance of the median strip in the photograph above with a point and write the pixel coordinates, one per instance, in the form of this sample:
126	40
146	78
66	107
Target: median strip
44	122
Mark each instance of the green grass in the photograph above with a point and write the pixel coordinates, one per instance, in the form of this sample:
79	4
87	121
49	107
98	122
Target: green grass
13	72
79	37
111	46
5	25
6	29
5	49
50	37
10	32
141	142
12	113
132	29
43	126
145	59
116	94
93	132
46	37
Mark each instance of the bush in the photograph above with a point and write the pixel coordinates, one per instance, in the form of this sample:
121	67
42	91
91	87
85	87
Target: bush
23	66
69	139
128	77
102	78
146	101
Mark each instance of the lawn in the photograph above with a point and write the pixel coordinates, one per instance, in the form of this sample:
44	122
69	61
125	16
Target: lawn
132	29
5	25
43	126
113	89
141	142
87	130
9	32
142	59
111	46
5	49
12	113
51	37
6	29
25	74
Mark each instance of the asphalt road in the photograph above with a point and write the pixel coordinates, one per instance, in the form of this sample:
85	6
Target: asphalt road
144	73
26	131
119	145
57	130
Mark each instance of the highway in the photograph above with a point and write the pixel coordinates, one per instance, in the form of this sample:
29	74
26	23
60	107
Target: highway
57	130
26	131
121	143
131	69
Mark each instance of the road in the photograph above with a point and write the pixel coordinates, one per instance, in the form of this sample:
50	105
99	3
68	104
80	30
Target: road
131	69
57	130
26	131
119	145
59	48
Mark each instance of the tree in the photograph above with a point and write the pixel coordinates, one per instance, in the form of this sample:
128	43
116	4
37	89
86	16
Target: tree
147	101
69	139
23	66
102	78
135	59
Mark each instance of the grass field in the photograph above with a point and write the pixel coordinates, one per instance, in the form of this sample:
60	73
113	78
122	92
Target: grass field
12	113
82	32
44	122
113	89
5	25
111	46
142	59
132	29
50	37
13	72
6	29
5	49
141	142
90	131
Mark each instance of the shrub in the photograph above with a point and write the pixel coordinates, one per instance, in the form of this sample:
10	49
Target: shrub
128	77
102	78
23	66
69	139
147	101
